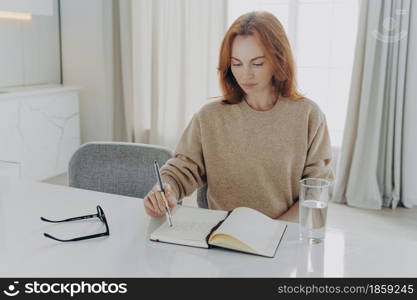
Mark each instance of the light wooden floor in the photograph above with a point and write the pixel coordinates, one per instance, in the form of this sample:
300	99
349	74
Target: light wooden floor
386	222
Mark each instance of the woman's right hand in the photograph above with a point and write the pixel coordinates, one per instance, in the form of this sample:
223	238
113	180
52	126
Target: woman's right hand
154	203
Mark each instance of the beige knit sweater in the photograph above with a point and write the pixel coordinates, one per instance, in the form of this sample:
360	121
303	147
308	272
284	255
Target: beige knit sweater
251	158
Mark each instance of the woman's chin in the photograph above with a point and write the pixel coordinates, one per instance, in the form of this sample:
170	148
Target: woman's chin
249	90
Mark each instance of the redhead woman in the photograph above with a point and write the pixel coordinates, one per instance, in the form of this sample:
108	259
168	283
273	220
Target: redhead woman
254	145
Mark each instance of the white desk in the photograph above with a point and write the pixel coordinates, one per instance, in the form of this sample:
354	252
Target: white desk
127	252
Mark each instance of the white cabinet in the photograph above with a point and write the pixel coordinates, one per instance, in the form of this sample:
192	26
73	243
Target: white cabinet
39	130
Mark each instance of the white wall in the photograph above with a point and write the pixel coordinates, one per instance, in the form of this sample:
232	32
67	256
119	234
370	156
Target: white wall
29	50
37	7
87	61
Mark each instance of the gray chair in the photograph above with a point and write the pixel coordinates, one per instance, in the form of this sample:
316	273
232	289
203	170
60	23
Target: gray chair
120	168
116	168
202	197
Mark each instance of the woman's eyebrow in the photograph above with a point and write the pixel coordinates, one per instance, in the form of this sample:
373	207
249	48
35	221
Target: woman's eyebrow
263	56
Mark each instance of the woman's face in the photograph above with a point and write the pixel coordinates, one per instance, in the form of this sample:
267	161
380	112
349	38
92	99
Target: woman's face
250	67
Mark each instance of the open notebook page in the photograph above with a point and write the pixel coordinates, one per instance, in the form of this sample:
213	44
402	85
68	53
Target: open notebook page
253	228
191	226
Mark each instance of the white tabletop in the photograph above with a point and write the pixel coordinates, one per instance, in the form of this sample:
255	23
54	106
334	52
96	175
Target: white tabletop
128	252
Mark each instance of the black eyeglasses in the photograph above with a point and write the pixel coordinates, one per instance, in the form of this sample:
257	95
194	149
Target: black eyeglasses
100	214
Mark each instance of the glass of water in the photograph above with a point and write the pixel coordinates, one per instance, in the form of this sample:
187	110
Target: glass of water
313	200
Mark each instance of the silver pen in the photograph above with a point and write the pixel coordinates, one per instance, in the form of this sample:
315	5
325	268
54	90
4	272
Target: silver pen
161	186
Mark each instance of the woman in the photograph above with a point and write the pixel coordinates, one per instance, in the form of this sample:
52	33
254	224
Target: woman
252	147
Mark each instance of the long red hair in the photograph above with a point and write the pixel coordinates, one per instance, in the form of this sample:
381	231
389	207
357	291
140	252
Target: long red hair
271	35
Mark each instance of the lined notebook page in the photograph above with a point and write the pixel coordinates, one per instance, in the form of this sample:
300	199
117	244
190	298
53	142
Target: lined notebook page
256	230
191	226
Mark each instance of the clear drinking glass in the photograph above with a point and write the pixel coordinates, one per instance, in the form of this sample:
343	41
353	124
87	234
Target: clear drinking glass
313	199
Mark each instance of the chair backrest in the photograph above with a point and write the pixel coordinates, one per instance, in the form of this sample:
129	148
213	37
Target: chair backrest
202	197
117	168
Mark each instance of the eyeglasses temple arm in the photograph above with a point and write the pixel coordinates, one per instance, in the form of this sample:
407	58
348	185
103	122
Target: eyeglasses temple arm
76	239
69	219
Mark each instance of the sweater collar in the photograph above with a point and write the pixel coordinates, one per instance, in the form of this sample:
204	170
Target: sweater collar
246	107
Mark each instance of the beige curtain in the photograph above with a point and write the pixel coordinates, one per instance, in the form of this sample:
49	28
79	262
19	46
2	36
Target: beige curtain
123	76
409	172
371	160
167	60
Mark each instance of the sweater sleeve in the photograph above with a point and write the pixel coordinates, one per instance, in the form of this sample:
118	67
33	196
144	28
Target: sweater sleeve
185	172
319	152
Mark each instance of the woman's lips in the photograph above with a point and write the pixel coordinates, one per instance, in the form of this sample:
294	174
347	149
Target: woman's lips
248	85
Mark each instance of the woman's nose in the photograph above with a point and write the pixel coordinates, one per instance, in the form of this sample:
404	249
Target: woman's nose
248	73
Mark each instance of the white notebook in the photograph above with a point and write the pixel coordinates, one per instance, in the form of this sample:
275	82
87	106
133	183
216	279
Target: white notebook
243	229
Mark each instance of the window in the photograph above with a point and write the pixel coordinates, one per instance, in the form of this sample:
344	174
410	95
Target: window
322	34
